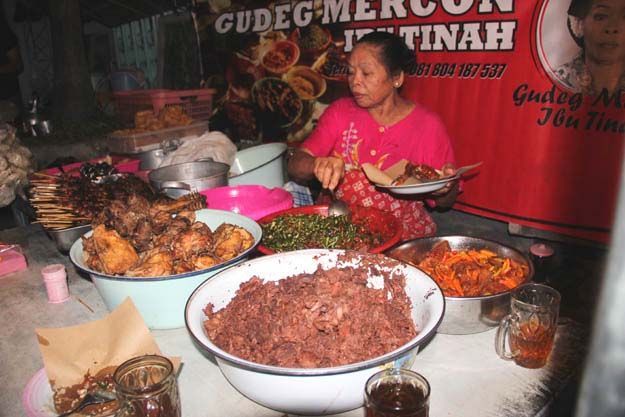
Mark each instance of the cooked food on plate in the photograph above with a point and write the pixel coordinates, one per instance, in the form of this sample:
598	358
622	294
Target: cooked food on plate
328	318
419	172
473	272
136	238
67	398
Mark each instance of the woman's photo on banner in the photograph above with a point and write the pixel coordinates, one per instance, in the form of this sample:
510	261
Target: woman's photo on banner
598	28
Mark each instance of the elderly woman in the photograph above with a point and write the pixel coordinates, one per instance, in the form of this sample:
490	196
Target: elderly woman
598	27
378	126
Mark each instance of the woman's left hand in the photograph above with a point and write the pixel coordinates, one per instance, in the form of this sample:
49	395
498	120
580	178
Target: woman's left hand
448	170
446	196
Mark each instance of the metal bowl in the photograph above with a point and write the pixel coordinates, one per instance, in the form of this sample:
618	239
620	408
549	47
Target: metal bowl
180	179
466	315
65	238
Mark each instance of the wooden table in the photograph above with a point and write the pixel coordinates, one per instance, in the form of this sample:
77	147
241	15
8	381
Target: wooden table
467	377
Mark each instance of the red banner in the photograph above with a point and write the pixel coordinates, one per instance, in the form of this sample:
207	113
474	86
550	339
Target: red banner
512	80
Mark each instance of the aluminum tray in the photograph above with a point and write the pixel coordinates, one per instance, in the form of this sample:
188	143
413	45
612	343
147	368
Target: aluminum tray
65	238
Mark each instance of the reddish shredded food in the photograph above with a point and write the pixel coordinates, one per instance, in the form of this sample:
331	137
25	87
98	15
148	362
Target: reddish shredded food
328	318
472	273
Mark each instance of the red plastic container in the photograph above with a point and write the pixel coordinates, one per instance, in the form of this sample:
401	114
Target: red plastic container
376	221
197	104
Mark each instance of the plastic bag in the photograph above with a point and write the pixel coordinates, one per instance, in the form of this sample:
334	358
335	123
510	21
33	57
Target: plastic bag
213	145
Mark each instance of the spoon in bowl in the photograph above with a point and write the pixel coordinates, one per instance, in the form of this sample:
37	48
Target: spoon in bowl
336	206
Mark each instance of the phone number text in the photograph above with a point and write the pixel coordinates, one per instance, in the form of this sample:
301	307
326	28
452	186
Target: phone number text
463	71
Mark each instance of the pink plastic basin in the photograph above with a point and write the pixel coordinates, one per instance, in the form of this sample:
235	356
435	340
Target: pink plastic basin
254	201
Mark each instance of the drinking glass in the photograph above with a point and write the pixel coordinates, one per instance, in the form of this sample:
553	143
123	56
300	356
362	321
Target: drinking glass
146	386
530	327
397	393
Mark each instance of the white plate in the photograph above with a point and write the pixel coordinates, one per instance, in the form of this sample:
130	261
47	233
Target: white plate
37	396
423	188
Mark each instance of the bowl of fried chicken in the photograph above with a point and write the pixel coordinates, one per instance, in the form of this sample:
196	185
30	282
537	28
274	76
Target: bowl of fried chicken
301	331
158	252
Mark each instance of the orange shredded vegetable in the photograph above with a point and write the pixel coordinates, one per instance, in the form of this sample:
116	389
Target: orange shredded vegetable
472	273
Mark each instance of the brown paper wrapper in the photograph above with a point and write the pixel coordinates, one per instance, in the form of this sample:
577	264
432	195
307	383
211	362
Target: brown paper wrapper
386	177
70	352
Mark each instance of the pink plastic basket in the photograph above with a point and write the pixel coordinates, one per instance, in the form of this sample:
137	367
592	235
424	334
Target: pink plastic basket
254	201
197	104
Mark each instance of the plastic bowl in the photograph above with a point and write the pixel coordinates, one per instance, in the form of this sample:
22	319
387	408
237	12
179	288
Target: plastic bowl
466	315
161	300
310	391
259	165
376	219
254	201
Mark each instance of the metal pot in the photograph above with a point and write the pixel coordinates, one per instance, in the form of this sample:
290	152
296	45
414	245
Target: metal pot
153	158
466	315
179	179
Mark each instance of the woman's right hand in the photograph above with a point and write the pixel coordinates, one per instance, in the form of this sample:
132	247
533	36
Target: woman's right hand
329	171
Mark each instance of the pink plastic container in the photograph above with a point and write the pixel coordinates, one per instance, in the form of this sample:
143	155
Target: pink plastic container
55	278
123	165
254	201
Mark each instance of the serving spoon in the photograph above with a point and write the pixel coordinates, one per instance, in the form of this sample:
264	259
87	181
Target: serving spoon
95	397
336	206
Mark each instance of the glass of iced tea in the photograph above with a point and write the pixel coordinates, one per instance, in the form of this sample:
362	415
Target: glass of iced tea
530	328
397	393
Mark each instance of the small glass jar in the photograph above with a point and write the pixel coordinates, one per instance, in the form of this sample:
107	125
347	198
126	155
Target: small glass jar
397	392
146	386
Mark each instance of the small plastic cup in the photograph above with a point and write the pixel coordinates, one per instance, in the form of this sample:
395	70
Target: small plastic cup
55	278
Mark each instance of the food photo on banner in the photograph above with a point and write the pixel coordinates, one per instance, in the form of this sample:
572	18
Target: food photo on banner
534	90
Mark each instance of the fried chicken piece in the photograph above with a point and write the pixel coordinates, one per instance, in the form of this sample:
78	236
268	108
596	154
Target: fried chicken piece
116	254
142	235
138	203
175	227
154	263
160	220
231	240
182	266
90	254
206	261
187	214
193	241
184	203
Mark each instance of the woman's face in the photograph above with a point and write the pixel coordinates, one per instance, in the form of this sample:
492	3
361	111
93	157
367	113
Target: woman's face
369	81
604	32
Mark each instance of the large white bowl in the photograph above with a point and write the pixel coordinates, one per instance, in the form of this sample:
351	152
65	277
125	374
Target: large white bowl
309	391
259	165
161	300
